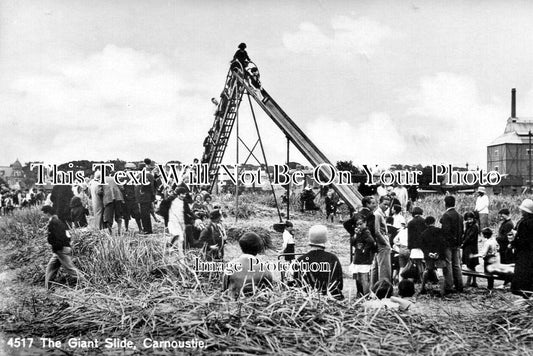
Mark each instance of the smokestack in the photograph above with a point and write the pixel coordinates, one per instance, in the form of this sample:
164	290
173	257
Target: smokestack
513	103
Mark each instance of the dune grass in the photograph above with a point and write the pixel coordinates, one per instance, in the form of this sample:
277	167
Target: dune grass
134	287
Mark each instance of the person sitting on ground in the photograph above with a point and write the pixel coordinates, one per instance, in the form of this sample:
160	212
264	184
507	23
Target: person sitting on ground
406	290
207	203
248	275
383	296
328	280
199	208
59	239
380	296
213	236
434	246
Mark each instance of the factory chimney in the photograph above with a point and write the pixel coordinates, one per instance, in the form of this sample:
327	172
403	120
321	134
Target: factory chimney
513	104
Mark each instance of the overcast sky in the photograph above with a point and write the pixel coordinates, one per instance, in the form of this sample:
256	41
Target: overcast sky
369	81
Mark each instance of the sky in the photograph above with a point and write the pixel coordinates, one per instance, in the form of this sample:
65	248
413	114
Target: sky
375	82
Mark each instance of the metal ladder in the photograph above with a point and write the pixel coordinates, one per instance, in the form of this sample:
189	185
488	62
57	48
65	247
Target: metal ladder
234	91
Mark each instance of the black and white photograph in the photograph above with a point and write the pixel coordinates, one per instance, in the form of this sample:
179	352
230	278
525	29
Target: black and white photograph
266	177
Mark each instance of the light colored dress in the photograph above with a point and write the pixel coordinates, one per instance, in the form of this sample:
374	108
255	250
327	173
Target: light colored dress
97	204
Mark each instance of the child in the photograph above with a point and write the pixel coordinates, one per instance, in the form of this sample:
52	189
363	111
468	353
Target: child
433	245
383	291
489	253
59	238
288	241
400	245
406	289
364	246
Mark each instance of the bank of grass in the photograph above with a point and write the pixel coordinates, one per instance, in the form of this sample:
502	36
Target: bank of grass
135	287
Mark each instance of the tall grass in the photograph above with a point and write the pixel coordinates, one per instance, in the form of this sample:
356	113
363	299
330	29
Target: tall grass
434	205
135	287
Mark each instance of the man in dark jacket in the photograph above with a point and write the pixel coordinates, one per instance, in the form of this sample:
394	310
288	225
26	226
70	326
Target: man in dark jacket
59	239
145	196
131	205
452	230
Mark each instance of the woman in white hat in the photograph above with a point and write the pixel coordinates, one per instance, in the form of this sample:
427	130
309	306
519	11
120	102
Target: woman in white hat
522	283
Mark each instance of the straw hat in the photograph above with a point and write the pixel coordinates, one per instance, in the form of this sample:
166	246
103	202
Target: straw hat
481	190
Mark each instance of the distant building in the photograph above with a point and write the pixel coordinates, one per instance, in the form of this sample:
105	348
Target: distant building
508	153
12	174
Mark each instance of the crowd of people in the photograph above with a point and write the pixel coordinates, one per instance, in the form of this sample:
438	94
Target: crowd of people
384	246
188	214
14	199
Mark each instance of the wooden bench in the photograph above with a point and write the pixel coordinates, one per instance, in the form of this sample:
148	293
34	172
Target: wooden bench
489	276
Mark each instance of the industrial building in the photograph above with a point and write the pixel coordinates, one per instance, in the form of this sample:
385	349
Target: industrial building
509	153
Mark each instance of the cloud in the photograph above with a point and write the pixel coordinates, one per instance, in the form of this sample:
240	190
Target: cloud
118	102
447	112
371	140
350	36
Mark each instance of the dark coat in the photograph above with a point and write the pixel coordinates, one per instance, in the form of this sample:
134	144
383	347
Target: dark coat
322	280
452	228
506	254
78	212
432	241
523	271
61	196
57	234
364	247
415	227
211	236
470	245
146	193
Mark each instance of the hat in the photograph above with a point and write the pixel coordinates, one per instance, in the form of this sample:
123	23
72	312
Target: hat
504	211
130	165
215	214
318	236
242	45
527	206
288	224
481	190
